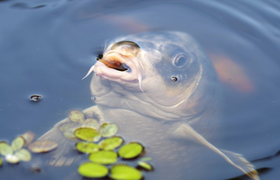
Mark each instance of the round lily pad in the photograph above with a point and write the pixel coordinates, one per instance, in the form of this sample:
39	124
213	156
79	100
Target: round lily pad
42	146
108	129
110	143
87	134
5	149
23	155
125	172
92	170
87	147
76	116
11	158
104	157
130	150
92	123
69	126
28	137
17	143
144	165
70	135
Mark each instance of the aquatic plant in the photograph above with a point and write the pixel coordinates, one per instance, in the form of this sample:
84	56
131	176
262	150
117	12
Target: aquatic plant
109	149
105	149
14	153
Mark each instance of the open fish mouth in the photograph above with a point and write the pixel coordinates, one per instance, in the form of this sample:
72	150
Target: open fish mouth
120	62
116	66
115	62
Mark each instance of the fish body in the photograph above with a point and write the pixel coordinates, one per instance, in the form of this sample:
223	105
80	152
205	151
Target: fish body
158	88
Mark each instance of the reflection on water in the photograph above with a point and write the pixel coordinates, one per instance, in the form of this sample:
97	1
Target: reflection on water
47	47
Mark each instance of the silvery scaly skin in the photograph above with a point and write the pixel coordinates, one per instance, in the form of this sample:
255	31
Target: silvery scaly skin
154	86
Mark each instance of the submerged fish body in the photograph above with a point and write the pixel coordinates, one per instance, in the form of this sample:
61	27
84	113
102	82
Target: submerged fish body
155	86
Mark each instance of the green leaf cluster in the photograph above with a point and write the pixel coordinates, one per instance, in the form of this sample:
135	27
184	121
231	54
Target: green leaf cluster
88	129
105	149
14	153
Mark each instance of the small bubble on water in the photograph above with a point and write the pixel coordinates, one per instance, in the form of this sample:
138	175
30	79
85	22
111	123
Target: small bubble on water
35	97
93	98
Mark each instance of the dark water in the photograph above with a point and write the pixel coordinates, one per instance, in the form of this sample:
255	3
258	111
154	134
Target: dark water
46	47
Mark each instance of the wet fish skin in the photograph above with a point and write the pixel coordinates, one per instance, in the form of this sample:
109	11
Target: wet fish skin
149	106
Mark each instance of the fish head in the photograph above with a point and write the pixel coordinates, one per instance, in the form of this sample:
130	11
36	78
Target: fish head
164	75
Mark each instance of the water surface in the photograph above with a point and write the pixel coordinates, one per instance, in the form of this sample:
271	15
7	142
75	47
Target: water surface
48	46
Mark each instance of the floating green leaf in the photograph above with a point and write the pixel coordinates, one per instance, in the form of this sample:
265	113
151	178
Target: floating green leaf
5	149
125	172
131	150
11	158
42	146
104	157
87	134
87	147
92	123
145	165
76	116
108	129
92	170
23	155
28	137
0	161
69	126
17	143
70	135
110	143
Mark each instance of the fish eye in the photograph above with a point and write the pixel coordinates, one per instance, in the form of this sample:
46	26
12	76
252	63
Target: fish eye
180	60
174	78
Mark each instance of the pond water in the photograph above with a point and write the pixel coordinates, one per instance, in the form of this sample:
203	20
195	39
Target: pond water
46	47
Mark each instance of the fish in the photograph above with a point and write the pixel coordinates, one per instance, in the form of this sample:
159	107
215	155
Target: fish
157	87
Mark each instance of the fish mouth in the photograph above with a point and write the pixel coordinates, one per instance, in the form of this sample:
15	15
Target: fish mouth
116	61
115	66
119	67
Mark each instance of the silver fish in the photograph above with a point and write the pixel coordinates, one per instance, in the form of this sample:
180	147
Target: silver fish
156	87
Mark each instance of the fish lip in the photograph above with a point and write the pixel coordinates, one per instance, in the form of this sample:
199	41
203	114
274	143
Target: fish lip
132	62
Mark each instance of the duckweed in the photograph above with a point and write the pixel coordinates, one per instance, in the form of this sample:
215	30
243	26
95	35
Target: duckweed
130	150
104	157
144	165
17	143
90	131
42	146
110	143
14	153
108	129
87	147
76	116
92	170
87	134
125	172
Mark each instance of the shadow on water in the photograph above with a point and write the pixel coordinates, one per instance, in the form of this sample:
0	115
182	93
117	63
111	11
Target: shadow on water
47	47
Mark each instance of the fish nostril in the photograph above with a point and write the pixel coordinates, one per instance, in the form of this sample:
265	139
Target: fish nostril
99	56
